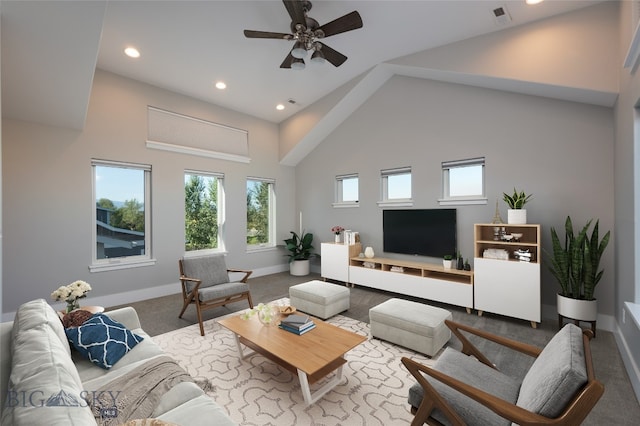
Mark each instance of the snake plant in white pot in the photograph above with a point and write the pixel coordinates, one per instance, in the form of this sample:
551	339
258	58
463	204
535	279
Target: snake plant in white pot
576	268
516	214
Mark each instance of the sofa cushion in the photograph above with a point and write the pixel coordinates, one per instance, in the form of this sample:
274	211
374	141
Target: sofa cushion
556	375
103	341
43	383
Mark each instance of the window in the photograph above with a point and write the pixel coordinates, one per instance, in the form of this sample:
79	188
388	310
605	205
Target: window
346	191
260	213
463	182
396	187
121	216
203	211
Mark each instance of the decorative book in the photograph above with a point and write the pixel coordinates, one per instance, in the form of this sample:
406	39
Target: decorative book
299	332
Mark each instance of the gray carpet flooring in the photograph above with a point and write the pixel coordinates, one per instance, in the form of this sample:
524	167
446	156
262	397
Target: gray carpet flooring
618	405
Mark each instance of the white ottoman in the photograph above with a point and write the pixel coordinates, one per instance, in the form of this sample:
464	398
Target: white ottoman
319	298
410	324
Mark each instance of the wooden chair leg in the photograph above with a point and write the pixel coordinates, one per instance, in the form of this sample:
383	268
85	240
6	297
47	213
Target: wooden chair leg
199	313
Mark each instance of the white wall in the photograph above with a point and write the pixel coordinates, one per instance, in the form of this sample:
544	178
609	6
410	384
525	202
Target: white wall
48	195
561	152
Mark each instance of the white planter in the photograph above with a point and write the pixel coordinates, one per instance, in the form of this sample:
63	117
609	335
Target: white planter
299	268
368	253
516	216
447	263
583	310
337	238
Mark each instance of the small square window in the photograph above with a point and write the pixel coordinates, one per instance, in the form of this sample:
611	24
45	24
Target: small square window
463	182
346	191
395	187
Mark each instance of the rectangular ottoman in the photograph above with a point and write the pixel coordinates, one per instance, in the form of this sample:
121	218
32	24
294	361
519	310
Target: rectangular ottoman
319	298
410	324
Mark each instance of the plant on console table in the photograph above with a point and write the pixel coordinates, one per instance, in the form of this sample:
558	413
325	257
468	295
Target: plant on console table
337	230
300	251
516	214
575	266
447	261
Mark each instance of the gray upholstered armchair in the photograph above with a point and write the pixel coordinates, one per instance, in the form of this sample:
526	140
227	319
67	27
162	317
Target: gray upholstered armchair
466	388
205	283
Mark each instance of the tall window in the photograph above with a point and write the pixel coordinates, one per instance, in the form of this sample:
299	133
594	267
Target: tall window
396	186
121	215
260	213
463	181
346	190
203	211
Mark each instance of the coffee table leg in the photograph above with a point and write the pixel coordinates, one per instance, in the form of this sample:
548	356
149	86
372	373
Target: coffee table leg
309	397
239	345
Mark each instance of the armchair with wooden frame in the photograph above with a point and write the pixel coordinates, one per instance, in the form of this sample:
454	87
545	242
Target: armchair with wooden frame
205	283
464	387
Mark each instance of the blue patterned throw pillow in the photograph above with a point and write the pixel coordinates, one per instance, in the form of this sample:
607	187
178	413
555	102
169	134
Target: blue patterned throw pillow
102	340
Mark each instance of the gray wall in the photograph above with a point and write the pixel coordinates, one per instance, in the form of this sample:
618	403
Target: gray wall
47	189
561	152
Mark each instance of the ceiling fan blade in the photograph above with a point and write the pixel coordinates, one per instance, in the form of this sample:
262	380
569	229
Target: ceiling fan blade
348	22
296	12
267	34
287	61
336	58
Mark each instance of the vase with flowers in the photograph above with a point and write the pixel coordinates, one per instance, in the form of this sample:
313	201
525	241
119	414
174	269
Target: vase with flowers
337	230
268	314
71	293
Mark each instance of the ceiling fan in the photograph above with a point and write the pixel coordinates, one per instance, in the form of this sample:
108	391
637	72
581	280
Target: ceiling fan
307	32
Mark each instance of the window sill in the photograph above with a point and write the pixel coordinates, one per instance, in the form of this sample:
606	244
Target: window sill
634	311
345	205
115	265
256	249
397	203
461	201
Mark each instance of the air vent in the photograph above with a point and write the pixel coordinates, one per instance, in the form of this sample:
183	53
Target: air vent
501	16
292	101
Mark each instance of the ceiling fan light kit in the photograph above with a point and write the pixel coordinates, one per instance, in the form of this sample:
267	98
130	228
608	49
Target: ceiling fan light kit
307	32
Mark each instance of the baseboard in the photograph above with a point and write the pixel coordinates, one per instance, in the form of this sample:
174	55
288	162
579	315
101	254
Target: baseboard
146	293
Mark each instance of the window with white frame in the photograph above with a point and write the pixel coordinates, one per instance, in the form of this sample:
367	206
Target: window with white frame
203	211
463	182
346	190
395	187
122	218
260	213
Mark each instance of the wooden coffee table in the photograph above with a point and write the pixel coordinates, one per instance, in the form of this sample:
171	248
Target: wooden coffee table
311	356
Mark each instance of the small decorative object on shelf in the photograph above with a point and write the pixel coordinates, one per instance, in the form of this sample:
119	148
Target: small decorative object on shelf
368	252
71	293
337	230
447	261
467	266
460	264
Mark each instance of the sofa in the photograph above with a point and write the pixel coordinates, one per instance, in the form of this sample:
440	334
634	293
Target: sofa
44	381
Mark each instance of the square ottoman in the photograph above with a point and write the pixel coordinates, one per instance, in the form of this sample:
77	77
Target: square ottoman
410	324
319	298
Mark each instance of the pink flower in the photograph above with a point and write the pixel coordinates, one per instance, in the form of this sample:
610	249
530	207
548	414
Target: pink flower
337	229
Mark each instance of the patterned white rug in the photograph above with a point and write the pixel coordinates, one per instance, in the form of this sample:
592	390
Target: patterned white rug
256	391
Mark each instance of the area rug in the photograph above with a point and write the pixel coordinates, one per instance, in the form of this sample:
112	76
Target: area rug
255	391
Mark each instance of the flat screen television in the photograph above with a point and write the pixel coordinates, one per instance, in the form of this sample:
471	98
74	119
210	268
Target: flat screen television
425	232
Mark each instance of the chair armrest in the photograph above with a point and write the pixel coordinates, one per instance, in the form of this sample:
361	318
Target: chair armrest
469	349
498	405
244	271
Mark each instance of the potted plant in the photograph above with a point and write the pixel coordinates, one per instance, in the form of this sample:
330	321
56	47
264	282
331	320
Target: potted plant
447	260
575	266
300	248
516	214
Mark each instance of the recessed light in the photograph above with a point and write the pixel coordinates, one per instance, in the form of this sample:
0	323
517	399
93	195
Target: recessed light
221	85
532	2
279	107
132	52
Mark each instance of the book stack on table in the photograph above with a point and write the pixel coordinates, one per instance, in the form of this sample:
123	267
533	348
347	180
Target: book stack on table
297	324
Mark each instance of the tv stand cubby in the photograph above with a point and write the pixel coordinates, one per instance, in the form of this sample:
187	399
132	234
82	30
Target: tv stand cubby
418	279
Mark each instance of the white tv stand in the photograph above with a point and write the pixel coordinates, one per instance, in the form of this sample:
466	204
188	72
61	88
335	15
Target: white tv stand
418	279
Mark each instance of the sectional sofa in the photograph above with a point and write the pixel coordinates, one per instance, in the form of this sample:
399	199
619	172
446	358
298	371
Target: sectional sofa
44	381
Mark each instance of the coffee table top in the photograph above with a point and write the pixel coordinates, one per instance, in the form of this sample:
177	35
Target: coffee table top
310	352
